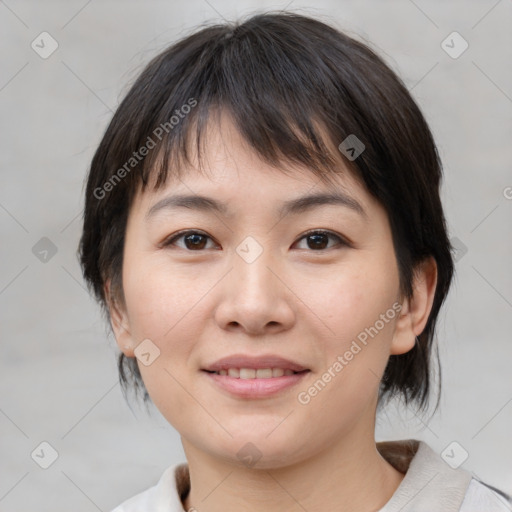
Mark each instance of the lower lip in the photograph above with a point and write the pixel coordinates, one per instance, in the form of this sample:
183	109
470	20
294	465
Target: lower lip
255	388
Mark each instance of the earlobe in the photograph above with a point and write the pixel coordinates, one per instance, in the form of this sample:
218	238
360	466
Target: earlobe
416	310
120	324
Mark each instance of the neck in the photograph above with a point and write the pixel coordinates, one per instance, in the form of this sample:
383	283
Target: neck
349	476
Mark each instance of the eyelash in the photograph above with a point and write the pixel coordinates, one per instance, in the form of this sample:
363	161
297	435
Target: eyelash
181	234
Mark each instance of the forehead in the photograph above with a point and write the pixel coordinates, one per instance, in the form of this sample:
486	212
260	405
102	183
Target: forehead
229	170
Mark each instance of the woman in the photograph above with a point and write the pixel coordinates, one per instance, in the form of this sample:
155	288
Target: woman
264	231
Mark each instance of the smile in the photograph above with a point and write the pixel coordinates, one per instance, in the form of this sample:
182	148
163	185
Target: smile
251	373
249	383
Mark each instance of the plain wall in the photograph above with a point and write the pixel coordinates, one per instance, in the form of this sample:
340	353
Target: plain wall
58	365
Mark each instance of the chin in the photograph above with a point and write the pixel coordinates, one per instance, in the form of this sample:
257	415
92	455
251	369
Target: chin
261	451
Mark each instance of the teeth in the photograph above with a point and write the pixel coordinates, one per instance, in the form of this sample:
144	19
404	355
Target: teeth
264	373
247	373
234	372
251	373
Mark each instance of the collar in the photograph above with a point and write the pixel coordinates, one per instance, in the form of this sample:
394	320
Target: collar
429	482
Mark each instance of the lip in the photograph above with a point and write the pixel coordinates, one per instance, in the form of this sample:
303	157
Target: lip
256	363
254	388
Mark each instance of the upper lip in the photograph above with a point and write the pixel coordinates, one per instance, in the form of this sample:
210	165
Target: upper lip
244	361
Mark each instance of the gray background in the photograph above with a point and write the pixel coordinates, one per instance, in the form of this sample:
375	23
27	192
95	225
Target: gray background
57	365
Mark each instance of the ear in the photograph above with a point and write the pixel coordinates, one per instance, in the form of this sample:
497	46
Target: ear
120	324
415	311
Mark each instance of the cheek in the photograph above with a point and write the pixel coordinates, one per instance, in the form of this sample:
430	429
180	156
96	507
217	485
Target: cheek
358	309
355	298
359	312
156	300
165	308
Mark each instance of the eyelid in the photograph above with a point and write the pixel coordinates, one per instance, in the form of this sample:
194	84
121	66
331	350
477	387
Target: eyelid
342	240
179	234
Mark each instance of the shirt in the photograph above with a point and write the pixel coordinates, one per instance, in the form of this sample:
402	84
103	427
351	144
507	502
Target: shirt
429	484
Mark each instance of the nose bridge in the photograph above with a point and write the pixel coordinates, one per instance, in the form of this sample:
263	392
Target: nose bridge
252	275
254	296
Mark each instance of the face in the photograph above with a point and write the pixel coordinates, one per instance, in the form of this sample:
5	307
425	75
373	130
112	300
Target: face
315	283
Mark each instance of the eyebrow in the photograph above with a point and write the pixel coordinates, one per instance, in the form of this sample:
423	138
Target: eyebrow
290	207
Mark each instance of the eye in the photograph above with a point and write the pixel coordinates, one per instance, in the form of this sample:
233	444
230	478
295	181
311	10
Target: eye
193	240
197	240
318	240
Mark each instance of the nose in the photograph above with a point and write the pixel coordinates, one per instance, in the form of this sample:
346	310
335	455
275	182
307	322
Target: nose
255	298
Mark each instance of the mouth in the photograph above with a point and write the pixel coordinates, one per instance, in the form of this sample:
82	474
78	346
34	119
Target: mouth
246	377
251	367
253	373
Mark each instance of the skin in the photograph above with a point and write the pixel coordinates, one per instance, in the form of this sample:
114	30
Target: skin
294	300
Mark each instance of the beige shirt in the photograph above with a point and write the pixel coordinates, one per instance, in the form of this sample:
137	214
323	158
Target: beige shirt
429	485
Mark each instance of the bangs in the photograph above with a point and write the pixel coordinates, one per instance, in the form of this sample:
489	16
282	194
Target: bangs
189	144
289	106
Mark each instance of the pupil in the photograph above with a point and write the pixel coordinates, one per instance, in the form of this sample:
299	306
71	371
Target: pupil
316	244
194	239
